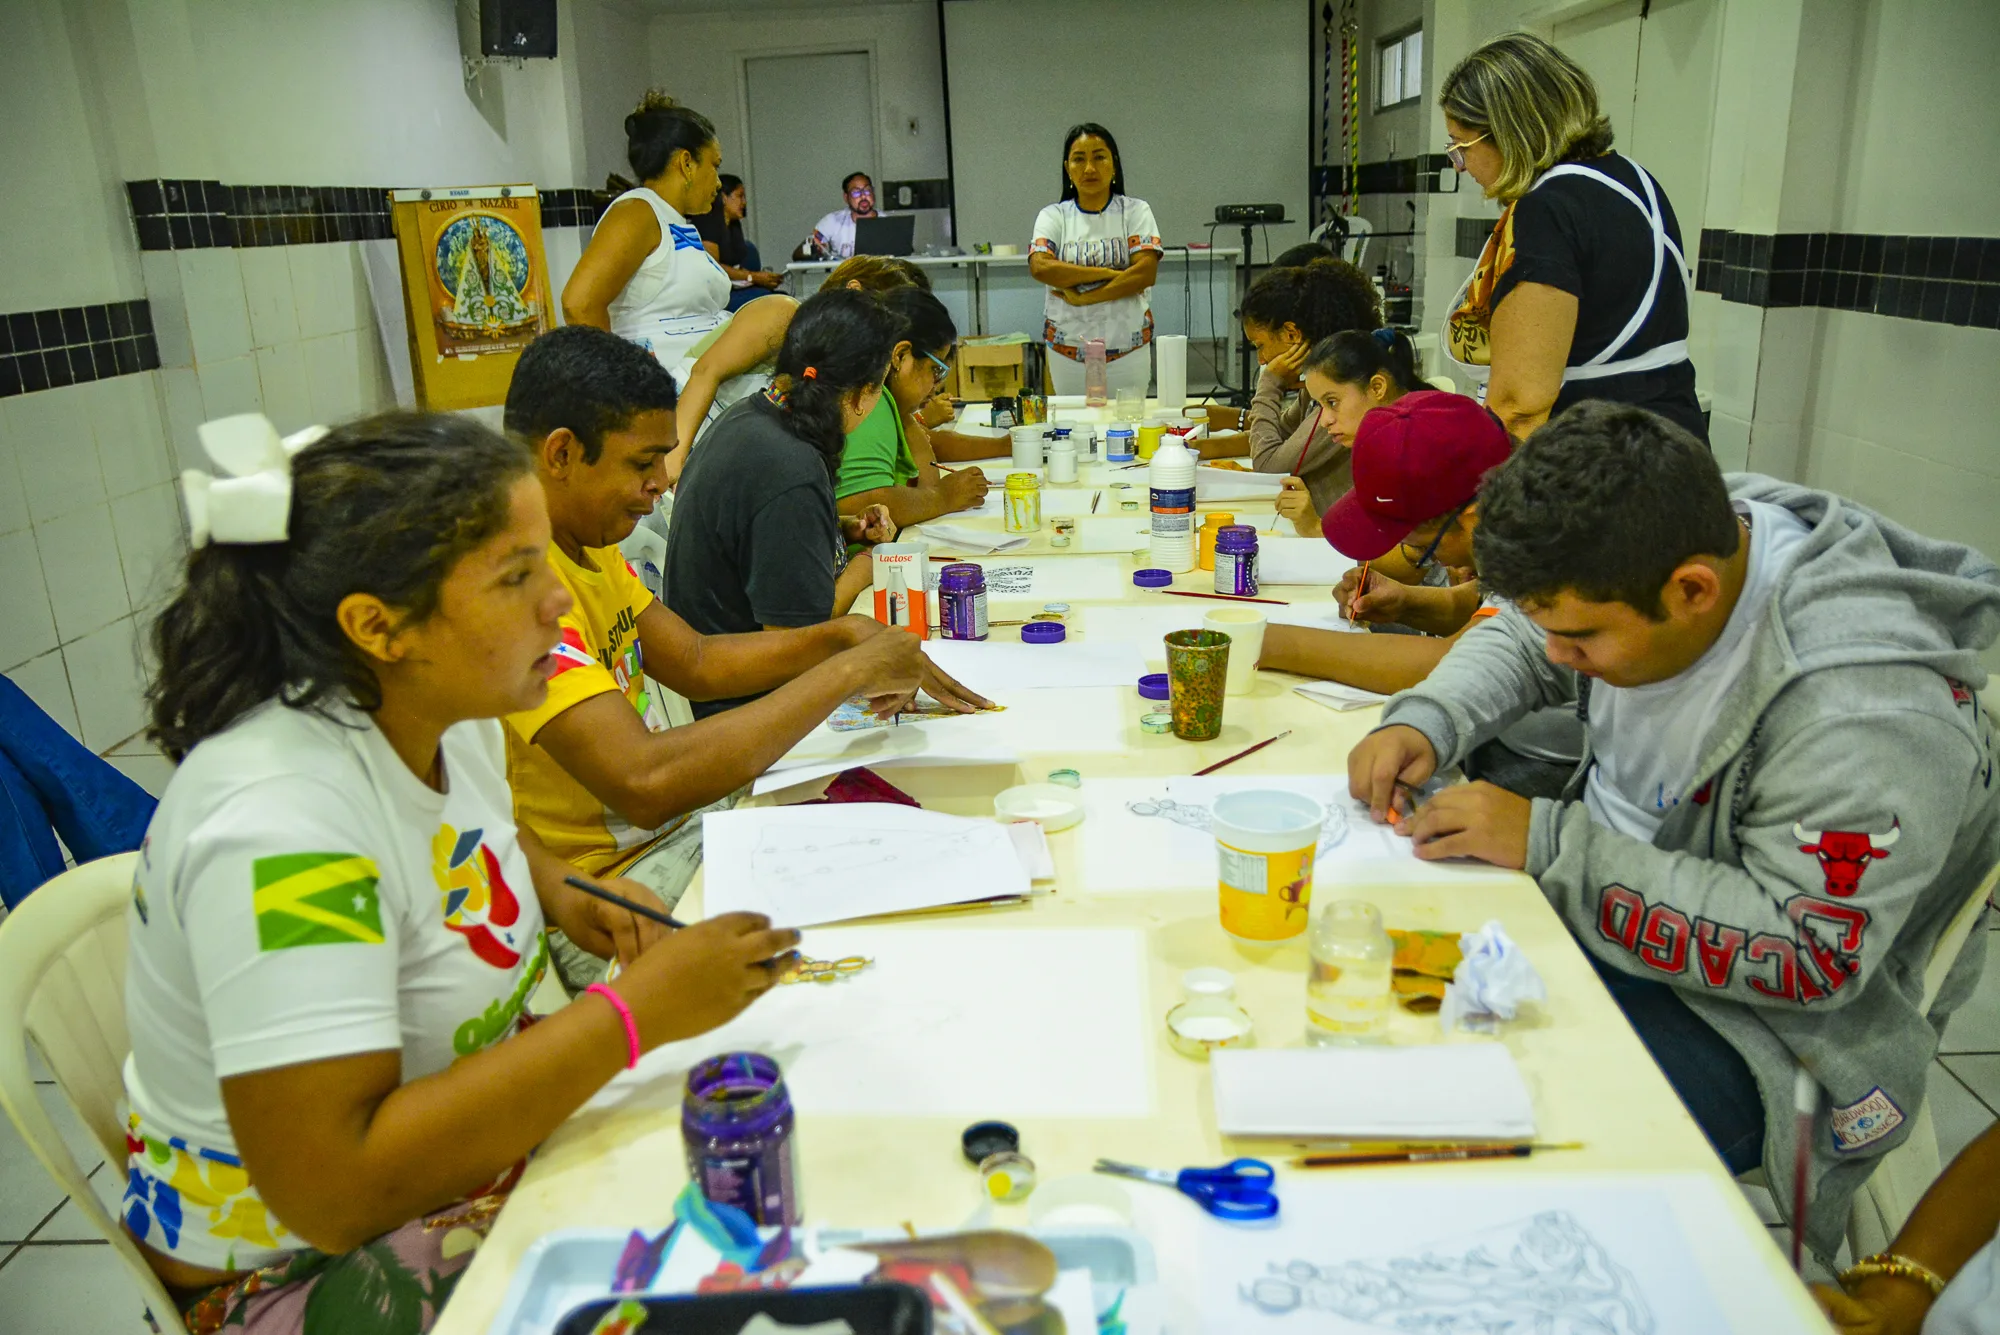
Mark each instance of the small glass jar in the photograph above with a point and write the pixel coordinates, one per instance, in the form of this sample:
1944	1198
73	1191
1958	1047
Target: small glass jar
1348	982
1024	503
736	1121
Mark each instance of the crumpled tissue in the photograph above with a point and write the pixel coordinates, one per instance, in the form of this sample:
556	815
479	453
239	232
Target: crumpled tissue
1490	983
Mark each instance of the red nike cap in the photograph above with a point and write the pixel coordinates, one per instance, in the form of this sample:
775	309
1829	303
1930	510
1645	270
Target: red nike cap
1415	460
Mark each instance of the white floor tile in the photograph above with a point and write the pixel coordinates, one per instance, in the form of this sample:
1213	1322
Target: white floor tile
150	772
71	1225
51	1289
1956	1113
1975	1027
1981	1075
27	1192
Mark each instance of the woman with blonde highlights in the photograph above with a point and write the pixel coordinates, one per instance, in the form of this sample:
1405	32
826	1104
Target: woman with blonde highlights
1582	289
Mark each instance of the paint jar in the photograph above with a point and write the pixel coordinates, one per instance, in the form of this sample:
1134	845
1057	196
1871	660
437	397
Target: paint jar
1062	460
736	1119
1197	675
1034	407
1149	436
1024	503
1211	524
1062	531
1265	843
1348	985
962	601
1119	443
1027	444
1236	561
1002	412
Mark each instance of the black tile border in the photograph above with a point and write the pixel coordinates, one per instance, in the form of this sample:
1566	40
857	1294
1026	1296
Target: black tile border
1392	176
75	345
198	215
1938	279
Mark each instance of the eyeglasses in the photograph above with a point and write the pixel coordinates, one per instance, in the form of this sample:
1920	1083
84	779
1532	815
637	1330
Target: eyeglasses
940	369
1449	523
1455	153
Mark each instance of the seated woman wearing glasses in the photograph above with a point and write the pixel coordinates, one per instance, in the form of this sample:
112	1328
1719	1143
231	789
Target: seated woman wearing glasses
887	460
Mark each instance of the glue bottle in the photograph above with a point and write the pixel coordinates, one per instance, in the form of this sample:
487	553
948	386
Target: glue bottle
1348	983
1170	478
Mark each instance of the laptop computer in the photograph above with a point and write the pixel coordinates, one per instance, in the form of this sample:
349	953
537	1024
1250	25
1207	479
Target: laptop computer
891	234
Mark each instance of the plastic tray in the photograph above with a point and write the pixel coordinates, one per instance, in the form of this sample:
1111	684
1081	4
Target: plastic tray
563	1269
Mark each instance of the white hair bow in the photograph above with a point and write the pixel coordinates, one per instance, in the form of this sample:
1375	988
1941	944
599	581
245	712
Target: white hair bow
253	503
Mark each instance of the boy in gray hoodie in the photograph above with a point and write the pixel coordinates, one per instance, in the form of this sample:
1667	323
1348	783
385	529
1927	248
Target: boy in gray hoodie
1788	789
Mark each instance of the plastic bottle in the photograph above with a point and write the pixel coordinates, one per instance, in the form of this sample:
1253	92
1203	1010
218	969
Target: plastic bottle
1170	478
1096	375
1347	987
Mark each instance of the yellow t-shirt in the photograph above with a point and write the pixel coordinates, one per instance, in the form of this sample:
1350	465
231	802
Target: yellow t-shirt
599	653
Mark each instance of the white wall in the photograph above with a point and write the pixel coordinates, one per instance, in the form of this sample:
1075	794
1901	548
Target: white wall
1208	99
613	63
699	59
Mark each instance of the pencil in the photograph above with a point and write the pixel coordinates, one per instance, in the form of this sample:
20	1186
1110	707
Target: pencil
1453	1155
1095	497
1360	587
1224	597
630	906
1248	750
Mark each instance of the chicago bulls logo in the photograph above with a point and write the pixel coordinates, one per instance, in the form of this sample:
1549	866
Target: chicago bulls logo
1845	854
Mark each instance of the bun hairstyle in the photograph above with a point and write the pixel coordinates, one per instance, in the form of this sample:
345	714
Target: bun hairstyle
1352	357
920	318
1322	299
838	342
658	129
386	506
1539	106
877	274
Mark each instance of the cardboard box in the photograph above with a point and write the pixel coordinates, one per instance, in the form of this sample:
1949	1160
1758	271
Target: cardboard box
982	370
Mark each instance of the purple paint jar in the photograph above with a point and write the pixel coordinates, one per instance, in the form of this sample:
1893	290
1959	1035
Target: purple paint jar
1236	560
736	1118
962	601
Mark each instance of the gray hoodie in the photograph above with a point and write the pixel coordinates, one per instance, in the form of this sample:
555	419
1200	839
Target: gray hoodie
1844	810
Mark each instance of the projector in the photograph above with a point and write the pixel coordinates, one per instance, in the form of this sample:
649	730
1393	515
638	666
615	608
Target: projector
1249	213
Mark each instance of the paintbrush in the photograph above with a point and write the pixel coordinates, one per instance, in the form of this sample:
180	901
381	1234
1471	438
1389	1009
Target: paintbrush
1224	597
1458	1154
1248	750
629	905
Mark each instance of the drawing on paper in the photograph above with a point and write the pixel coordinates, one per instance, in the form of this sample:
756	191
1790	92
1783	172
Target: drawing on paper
853	716
1003	580
1195	816
1546	1274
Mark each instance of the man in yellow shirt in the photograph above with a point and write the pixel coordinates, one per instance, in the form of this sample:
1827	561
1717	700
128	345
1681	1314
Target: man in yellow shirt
596	772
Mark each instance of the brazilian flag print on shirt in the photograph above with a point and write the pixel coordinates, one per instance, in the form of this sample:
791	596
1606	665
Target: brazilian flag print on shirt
316	899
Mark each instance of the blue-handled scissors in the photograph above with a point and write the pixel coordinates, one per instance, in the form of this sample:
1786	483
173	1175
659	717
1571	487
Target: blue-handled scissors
1240	1189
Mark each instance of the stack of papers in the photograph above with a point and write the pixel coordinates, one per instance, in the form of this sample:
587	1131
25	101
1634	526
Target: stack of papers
1446	1092
1294	560
988	667
966	538
1334	695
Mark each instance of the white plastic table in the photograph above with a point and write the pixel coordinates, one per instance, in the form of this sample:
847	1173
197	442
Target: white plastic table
1590	1079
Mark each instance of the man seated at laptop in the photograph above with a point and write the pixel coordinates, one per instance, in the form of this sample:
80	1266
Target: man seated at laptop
833	236
597	774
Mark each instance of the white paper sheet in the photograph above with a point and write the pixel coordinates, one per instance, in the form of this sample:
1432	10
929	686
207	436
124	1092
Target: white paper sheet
1143	625
936	1026
1438	1092
1334	695
1317	615
968	538
803	866
1228	484
987	667
1295	560
1122	850
1112	529
1632	1255
1058	578
1069	721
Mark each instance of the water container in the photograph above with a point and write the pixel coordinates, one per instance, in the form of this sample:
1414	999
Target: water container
1170	478
1096	375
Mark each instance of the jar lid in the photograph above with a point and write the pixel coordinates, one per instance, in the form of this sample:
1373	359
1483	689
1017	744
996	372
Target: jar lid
1152	579
983	1140
1022	482
1153	686
1065	778
1219	519
1057	608
1156	722
1042	632
1208	982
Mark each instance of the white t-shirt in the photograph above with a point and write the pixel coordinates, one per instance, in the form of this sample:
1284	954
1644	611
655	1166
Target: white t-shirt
301	895
1107	239
1970	1304
835	234
678	294
1647	740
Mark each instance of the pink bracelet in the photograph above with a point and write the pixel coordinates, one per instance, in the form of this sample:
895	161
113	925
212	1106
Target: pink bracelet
625	1014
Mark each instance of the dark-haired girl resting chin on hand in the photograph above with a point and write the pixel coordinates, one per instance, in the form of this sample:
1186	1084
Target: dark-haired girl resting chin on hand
335	924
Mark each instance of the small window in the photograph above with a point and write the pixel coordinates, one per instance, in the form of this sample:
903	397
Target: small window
1399	70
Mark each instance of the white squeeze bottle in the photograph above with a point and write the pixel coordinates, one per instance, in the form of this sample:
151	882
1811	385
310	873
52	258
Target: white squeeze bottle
1170	478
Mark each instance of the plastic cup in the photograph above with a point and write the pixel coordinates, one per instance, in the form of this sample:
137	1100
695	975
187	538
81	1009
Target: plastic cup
1245	628
1265	843
1197	672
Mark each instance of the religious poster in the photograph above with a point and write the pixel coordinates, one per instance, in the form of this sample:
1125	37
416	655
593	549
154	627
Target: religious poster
475	288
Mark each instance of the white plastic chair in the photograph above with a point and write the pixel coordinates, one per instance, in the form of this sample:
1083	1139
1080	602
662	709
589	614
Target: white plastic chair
1883	1204
62	987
